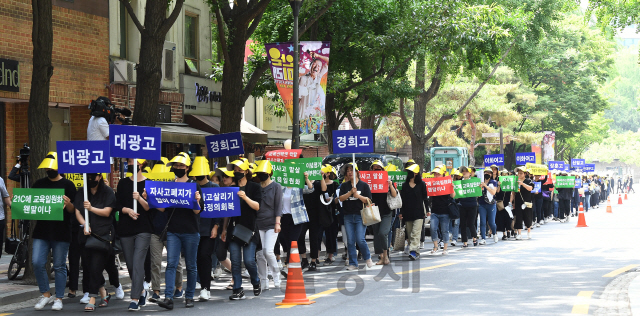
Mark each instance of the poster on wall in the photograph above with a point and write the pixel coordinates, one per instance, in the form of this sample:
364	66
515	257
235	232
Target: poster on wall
314	68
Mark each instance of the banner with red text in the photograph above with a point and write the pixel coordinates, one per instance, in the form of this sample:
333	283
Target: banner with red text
378	181
283	154
439	186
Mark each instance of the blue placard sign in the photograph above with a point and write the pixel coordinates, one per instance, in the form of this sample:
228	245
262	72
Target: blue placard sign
556	165
524	158
590	167
577	163
221	145
536	187
83	156
171	194
140	142
497	160
353	141
220	202
578	183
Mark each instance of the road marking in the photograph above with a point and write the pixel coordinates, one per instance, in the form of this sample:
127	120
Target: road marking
619	271
582	307
6	314
510	251
311	297
429	268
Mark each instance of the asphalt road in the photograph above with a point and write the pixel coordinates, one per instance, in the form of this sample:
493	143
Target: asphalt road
562	269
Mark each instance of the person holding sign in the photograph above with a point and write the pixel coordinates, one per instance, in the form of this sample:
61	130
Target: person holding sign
564	196
381	230
353	200
268	222
439	214
487	206
503	217
522	205
182	237
134	230
329	187
250	195
52	236
101	202
468	213
414	199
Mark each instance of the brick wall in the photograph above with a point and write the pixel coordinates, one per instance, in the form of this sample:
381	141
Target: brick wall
118	95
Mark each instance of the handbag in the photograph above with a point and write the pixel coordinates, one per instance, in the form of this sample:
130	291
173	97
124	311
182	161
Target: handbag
370	214
454	210
241	233
526	204
500	205
99	243
394	202
398	244
11	243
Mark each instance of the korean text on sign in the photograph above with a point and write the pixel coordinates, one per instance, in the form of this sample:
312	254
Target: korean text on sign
524	158
508	183
397	177
439	186
85	156
497	160
220	202
171	194
536	187
288	174
353	141
467	188
221	145
556	165
589	167
378	181
140	142
312	166
537	169
283	154
37	204
577	163
564	182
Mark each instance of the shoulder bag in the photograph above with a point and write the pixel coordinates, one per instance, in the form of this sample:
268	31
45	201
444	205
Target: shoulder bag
526	204
398	244
454	210
11	243
241	234
500	205
394	202
99	243
370	214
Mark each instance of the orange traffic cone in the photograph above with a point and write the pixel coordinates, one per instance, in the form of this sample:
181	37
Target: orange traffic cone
609	205
581	221
625	196
619	198
295	293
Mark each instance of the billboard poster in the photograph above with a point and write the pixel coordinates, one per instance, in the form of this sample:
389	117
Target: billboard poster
314	67
549	145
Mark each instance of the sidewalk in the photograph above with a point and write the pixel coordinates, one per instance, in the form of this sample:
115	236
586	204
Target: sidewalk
634	295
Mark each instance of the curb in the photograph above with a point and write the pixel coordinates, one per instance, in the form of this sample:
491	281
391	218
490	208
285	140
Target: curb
634	296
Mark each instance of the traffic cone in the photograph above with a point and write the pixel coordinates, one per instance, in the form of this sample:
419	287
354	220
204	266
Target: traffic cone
581	221
609	205
625	196
619	198
295	293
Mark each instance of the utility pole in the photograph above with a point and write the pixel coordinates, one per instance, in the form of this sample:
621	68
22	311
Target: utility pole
501	142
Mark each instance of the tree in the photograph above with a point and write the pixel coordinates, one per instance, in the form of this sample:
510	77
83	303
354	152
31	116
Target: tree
623	92
614	15
622	146
39	123
149	70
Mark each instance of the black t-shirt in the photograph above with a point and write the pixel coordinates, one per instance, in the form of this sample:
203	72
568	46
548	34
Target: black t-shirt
104	197
524	193
380	200
248	215
56	230
312	200
440	204
184	220
353	205
127	226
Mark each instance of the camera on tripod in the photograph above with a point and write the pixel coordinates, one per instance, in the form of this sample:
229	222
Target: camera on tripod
102	107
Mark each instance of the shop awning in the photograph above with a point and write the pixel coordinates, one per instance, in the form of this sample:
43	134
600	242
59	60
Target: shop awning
182	134
211	125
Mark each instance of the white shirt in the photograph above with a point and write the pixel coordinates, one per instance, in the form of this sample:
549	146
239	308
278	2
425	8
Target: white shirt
286	201
3	194
98	128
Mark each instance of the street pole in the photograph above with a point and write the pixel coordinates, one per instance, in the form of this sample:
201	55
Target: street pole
295	135
501	142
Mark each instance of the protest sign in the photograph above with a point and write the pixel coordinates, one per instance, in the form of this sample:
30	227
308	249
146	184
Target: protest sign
563	182
283	154
378	181
578	183
220	202
525	158
508	183
556	165
467	188
224	145
439	186
288	174
85	156
536	187
497	160
537	169
590	167
353	141
140	142
171	194
312	166
397	177
161	176
577	163
37	204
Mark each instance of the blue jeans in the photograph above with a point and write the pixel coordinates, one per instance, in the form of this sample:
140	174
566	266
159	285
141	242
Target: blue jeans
555	209
39	260
187	244
587	202
487	213
236	253
355	235
440	221
454	228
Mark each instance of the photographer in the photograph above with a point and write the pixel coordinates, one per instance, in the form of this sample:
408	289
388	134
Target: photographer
98	128
22	166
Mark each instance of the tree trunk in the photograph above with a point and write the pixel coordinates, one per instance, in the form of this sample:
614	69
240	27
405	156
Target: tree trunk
419	114
332	121
39	124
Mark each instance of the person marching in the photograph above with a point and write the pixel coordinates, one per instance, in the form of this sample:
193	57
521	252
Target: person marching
487	205
468	213
522	206
329	188
439	214
381	230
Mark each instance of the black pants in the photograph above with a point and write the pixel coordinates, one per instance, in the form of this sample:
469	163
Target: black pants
547	208
147	267
204	262
468	220
302	239
289	233
315	239
96	263
75	252
564	208
3	225
331	237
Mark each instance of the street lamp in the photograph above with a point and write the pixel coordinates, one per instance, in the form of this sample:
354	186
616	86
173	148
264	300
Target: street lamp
295	6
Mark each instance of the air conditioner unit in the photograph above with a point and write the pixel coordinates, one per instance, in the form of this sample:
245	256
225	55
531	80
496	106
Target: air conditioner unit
124	71
168	66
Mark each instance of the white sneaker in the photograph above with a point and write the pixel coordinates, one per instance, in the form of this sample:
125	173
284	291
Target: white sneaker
44	301
85	299
406	249
351	268
422	245
346	262
537	224
57	305
264	284
218	271
369	263
482	242
198	286
518	237
276	284
280	264
528	235
453	243
245	274
146	285
541	222
204	295
495	238
119	292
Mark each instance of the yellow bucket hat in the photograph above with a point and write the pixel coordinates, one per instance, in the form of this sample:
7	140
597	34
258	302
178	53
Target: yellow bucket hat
327	168
391	167
50	161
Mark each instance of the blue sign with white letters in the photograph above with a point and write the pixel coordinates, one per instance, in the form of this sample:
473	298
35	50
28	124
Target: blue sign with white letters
83	156
497	160
220	202
590	167
556	165
524	158
221	145
353	141
577	163
171	194
537	186
139	142
578	183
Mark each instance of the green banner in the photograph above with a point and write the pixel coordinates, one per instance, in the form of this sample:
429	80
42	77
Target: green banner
565	182
37	204
467	188
312	166
398	177
508	183
288	174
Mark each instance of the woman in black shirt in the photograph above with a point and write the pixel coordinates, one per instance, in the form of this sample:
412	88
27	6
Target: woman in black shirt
331	225
503	220
522	205
101	203
381	230
134	230
250	195
353	199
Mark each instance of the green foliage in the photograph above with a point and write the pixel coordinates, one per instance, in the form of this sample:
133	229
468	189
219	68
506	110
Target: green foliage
623	146
623	92
614	15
